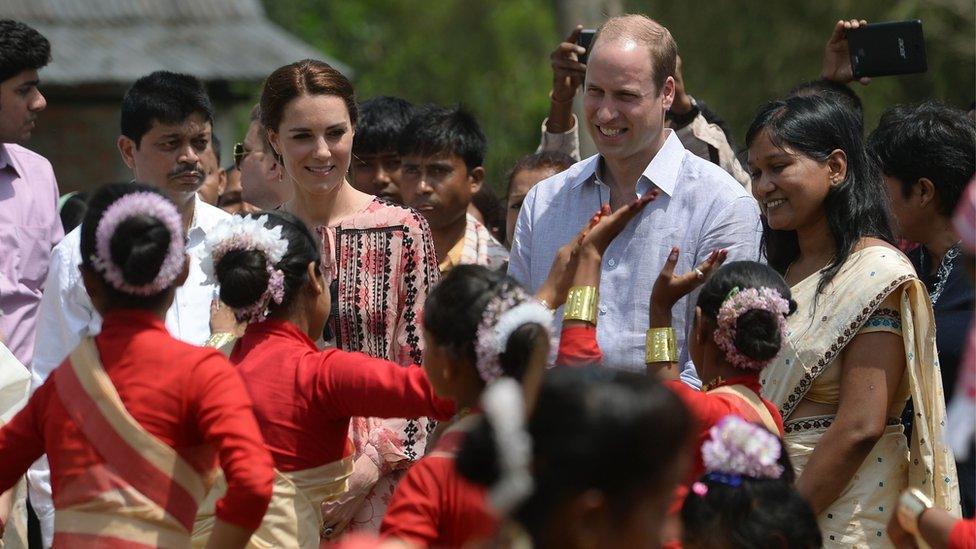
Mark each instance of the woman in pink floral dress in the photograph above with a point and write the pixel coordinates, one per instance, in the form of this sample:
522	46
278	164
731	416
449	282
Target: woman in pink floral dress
384	265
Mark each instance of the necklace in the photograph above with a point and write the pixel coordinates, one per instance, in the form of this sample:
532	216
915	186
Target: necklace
945	269
712	384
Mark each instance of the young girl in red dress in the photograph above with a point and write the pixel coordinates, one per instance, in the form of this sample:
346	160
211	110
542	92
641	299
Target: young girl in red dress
270	272
134	421
482	328
738	328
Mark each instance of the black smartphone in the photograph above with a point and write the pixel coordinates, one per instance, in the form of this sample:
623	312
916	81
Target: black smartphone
883	49
585	40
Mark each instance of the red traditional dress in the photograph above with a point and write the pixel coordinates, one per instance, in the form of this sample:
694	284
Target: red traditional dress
303	400
384	266
434	506
738	396
131	423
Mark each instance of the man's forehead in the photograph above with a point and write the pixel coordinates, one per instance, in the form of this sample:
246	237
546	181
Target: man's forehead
22	77
618	61
192	125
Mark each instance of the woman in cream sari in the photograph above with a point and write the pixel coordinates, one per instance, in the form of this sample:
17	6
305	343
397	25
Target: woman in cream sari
862	340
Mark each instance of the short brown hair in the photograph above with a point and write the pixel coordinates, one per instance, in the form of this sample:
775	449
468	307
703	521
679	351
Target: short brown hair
657	38
308	76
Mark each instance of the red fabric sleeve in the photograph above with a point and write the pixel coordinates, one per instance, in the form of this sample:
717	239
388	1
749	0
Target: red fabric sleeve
22	440
354	384
963	535
578	347
226	420
705	409
414	513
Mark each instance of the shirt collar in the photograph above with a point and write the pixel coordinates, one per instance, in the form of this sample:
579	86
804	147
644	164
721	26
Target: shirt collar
662	171
6	161
205	217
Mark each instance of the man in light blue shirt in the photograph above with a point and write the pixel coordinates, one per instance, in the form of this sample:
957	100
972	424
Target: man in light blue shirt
628	89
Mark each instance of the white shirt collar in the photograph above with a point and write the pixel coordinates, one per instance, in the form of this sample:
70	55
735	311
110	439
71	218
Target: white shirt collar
662	170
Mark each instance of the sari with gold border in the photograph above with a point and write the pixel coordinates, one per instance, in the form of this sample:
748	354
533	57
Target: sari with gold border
818	332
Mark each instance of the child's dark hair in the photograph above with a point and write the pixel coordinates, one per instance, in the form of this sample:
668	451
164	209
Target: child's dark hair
554	160
162	97
381	122
581	418
243	274
454	310
138	247
757	332
756	514
437	130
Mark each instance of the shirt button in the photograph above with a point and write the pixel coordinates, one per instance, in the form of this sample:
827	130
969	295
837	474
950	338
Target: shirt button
612	262
603	309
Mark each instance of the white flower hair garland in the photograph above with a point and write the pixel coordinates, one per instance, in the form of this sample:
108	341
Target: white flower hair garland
248	233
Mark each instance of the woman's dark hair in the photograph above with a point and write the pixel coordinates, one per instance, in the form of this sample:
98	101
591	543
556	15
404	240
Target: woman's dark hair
492	210
582	417
454	309
243	274
757	514
855	208
138	246
757	333
308	76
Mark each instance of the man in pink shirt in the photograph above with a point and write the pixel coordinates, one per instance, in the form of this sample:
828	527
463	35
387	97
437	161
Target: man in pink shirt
29	223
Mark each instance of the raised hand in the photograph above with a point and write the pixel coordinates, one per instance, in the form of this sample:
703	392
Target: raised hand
567	72
669	287
837	54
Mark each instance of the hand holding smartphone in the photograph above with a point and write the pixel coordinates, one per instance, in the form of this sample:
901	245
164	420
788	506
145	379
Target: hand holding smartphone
585	40
883	49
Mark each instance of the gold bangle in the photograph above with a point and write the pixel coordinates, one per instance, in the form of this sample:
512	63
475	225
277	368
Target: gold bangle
581	304
219	339
660	346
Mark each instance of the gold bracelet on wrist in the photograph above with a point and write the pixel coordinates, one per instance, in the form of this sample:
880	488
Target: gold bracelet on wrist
581	304
660	346
219	339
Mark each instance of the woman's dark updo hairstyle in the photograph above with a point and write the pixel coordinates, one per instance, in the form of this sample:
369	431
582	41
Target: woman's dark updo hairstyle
243	274
138	247
577	428
857	207
757	333
454	309
757	514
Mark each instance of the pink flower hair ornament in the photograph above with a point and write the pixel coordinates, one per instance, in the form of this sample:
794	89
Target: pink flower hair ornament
133	205
737	303
248	233
738	448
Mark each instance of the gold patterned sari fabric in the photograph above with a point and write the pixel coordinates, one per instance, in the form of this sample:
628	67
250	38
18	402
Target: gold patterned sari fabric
818	332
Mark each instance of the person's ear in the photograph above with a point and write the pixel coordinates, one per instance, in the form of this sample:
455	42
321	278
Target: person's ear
837	167
127	148
273	142
924	190
667	93
221	181
477	177
700	336
316	280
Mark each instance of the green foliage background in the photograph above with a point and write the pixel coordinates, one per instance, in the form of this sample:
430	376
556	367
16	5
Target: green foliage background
493	55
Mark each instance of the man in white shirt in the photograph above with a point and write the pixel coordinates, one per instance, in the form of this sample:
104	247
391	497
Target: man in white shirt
628	89
167	121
